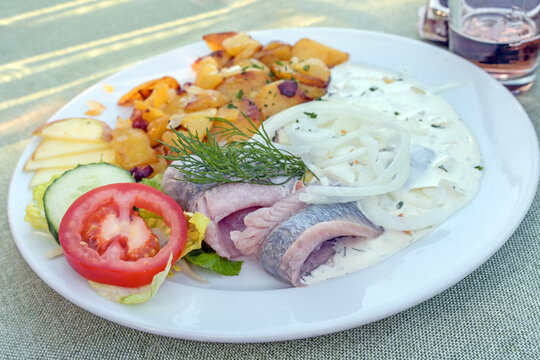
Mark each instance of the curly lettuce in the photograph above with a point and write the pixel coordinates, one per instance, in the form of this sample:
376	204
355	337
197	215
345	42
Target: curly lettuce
35	212
131	296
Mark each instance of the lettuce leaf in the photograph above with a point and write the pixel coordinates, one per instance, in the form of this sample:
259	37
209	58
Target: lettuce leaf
205	257
154	182
208	259
130	296
35	213
196	229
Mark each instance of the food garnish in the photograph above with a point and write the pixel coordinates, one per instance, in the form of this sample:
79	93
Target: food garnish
255	161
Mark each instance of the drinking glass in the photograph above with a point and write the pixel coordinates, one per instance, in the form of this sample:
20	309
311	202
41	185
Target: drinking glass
501	36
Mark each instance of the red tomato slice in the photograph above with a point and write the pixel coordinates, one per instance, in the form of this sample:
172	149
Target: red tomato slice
106	241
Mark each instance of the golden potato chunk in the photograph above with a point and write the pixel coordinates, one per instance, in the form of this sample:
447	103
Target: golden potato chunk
274	51
208	75
141	92
156	129
312	72
205	100
307	48
236	43
215	40
221	56
197	122
278	96
313	92
149	113
244	85
235	114
132	147
252	47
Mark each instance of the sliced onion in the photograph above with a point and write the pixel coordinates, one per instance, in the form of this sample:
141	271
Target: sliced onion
363	129
381	217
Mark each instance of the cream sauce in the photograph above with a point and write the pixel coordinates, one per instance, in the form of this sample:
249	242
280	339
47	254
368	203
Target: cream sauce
445	161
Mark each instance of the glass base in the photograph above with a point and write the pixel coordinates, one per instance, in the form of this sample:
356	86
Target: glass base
519	89
520	85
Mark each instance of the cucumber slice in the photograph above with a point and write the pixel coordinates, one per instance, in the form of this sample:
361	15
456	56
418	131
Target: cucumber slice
75	182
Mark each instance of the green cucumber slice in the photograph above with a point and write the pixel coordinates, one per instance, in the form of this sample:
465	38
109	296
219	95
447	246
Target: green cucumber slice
75	182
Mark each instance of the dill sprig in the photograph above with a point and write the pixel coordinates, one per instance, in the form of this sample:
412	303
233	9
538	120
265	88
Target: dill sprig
255	161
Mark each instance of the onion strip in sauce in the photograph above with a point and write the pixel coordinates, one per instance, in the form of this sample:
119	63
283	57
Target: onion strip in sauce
353	151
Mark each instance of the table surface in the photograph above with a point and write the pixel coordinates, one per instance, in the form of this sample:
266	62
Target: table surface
51	51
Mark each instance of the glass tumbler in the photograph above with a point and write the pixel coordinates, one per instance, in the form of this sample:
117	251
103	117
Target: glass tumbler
501	36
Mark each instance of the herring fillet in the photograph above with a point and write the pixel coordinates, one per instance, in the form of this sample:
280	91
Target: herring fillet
291	244
225	205
261	222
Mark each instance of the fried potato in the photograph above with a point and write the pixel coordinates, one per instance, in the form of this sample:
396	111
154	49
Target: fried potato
149	113
215	40
208	75
311	72
252	47
244	85
236	43
222	58
132	148
274	51
144	90
245	115
205	100
278	96
307	48
312	92
156	129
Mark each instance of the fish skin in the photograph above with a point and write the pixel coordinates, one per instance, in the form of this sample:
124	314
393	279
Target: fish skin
185	193
275	251
261	222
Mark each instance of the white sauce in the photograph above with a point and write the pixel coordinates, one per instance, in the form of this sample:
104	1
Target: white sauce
444	160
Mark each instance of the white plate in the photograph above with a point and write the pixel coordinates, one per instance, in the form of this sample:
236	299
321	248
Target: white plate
254	307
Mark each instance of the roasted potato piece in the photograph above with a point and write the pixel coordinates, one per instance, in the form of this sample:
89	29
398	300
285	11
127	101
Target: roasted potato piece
311	67
236	116
236	43
132	147
278	96
250	65
241	46
198	125
176	103
244	85
144	90
169	137
274	51
215	41
252	47
196	122
208	99
208	75
159	96
149	113
244	66
156	129
222	58
307	48
312	92
311	72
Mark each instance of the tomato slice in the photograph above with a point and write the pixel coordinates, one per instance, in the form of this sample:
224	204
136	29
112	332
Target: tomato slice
106	241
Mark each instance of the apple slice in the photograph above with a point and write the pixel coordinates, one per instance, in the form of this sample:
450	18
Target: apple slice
51	148
44	175
75	129
67	161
